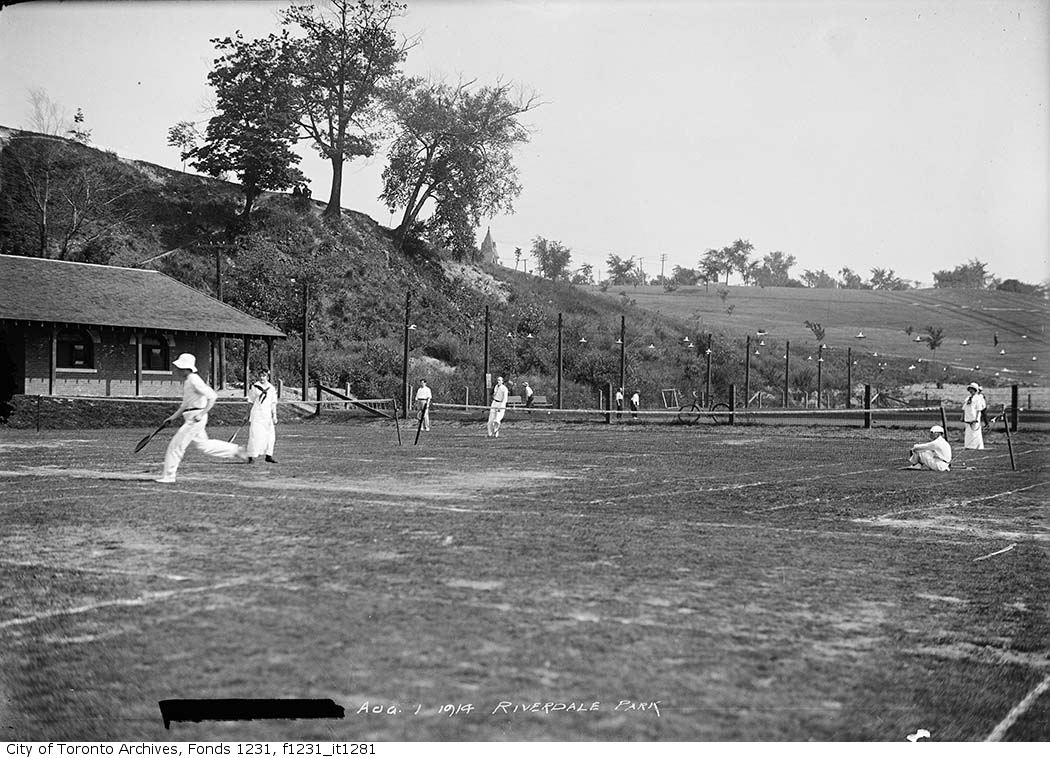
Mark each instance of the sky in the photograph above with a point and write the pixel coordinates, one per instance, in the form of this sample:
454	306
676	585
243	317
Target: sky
912	136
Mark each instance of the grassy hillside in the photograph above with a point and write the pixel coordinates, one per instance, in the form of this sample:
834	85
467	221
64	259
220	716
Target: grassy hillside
358	283
1018	324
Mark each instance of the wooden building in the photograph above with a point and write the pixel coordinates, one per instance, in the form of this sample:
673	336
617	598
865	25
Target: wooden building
85	329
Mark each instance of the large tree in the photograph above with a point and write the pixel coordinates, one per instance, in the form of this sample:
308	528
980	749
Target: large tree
851	280
738	258
734	257
252	133
886	279
819	279
621	270
971	275
774	271
453	150
347	54
552	258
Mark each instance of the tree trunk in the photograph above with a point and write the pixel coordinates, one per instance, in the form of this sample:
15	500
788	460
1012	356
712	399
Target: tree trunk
334	209
250	193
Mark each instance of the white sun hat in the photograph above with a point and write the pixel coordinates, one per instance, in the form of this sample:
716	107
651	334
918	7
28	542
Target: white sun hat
187	361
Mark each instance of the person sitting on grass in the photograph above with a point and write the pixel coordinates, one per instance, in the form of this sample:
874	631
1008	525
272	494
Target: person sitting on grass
935	455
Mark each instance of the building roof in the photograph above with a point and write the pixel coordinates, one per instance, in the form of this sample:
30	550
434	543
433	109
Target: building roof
60	292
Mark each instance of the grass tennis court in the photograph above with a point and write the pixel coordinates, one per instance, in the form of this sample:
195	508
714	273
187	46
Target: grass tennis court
755	583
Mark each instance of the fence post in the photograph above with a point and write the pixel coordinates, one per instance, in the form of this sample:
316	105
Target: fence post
280	388
944	419
849	377
732	404
609	403
747	372
1014	399
466	398
318	411
867	406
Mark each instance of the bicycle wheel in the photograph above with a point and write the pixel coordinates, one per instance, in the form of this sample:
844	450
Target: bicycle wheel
719	413
689	414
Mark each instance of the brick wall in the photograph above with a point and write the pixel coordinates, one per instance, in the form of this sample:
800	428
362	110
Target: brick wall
114	371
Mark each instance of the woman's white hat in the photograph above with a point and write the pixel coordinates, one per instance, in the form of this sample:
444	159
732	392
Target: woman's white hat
187	361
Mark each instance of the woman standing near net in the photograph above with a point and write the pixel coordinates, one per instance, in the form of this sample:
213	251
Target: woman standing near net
973	438
262	430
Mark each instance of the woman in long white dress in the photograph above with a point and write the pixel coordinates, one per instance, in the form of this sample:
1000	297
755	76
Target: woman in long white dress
973	437
262	431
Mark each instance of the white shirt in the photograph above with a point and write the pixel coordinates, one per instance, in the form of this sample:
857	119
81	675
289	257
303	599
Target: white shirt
263	397
499	396
424	393
939	447
196	394
973	406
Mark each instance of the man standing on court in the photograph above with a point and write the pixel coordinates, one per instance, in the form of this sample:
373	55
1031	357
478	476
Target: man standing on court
935	455
636	400
423	398
528	393
262	431
498	407
973	436
619	402
197	399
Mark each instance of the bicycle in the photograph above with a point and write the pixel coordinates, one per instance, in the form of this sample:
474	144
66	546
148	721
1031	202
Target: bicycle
692	412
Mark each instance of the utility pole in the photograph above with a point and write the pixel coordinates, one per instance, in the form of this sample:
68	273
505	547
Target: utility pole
486	385
663	260
623	347
404	361
559	362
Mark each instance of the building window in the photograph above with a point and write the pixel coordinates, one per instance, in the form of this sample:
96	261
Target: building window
75	350
155	354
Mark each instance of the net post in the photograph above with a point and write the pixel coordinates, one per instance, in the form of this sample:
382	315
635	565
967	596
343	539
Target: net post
867	406
732	404
944	420
317	411
1014	402
1009	443
609	403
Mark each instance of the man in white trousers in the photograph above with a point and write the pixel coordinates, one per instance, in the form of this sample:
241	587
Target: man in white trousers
498	407
935	455
424	395
262	419
197	399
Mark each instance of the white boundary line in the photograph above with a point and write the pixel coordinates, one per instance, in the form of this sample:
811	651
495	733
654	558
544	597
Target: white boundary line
997	552
960	503
1018	710
149	597
90	570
